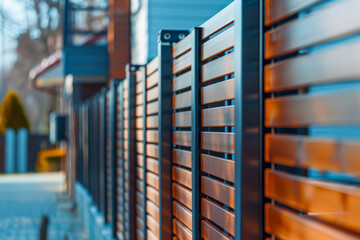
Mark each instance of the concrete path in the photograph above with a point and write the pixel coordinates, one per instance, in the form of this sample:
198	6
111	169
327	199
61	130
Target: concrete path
24	199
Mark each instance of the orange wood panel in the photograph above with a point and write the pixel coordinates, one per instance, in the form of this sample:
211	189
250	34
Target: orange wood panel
218	92
220	191
152	165
153	225
152	180
182	232
218	44
182	81
152	150
219	21
152	94
152	80
151	236
139	211
182	157
218	117
152	122
182	194
182	100
313	29
139	135
218	68
218	142
182	138
210	232
182	176
305	110
139	235
152	210
217	214
182	46
138	111
153	195
139	160
182	119
152	136
139	88
219	167
152	108
139	173
139	123
285	224
139	147
152	66
139	75
139	223
182	63
337	204
139	100
139	198
183	214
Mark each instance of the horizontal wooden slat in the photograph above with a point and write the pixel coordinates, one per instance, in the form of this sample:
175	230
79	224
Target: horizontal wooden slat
182	157
182	119
313	29
139	160
152	122
139	235
219	21
218	44
139	173
151	236
152	136
218	142
182	46
181	176
152	66
220	191
218	215
152	94
152	210
218	117
183	214
219	167
218	92
152	150
305	110
153	225
285	224
182	81
139	88
277	10
139	223
152	80
138	111
182	194
218	68
334	203
139	211
182	232
306	152
182	63
333	64
152	180
210	232
152	108
152	165
182	138
139	148
139	100
139	75
139	123
182	100
139	198
139	134
153	195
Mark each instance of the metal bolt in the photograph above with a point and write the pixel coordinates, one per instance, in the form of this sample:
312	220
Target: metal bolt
181	36
167	36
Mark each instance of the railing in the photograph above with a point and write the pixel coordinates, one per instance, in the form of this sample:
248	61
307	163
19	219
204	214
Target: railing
223	137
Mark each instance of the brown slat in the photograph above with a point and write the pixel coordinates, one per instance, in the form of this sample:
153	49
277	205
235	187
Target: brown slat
219	167
181	82
139	99
182	176
218	68
152	210
151	236
285	224
306	152
152	66
153	195
139	88
152	150
183	214
218	92
139	223
220	191
210	232
152	108
153	225
139	235
182	46
152	136
152	165
182	194
182	100
138	111
305	110
139	147
152	122
218	142
139	134
152	94
335	63
152	180
218	215
139	123
277	10
218	117
139	75
182	119
182	63
182	157
182	232
219	21
182	138
334	203
152	80
218	44
139	198
139	211
139	160
311	30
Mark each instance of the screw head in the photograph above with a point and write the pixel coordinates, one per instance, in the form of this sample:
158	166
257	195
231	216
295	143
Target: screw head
181	36
167	36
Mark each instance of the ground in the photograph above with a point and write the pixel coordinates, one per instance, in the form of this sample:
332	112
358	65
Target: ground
24	199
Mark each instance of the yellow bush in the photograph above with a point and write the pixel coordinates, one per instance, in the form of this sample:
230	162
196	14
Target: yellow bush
12	114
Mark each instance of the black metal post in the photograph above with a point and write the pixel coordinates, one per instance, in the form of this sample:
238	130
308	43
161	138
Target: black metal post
248	118
102	168
195	131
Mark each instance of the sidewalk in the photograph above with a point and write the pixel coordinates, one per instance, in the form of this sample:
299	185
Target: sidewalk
23	201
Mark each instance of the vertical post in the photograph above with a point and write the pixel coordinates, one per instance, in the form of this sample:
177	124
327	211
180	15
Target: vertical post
195	131
249	126
22	138
103	153
10	151
144	105
122	167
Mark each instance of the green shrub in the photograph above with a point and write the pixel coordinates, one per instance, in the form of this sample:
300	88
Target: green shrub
12	113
